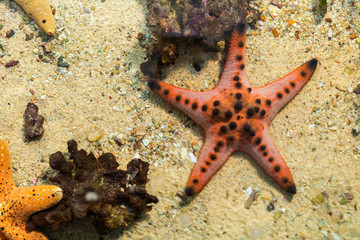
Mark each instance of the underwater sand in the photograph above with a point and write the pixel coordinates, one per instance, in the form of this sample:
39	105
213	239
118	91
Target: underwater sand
312	132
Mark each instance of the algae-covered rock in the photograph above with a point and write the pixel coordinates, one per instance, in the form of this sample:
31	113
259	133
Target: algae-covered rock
209	21
319	8
33	122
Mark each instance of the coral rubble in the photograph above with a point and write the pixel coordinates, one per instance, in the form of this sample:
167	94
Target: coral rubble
207	20
319	8
33	122
95	188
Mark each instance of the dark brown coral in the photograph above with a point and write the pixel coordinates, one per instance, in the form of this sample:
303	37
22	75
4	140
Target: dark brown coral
95	188
162	51
33	122
209	21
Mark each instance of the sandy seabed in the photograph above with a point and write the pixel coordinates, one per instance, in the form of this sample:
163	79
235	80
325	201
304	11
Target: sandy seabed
313	132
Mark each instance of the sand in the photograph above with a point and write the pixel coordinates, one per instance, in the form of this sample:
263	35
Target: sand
313	132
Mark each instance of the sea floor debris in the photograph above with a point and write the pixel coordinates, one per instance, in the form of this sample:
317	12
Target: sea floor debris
93	187
33	122
210	22
205	20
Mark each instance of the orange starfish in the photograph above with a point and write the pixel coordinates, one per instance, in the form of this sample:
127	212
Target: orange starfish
17	204
40	11
235	116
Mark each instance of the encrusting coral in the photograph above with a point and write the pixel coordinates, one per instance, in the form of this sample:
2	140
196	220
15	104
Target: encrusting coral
208	21
95	188
18	203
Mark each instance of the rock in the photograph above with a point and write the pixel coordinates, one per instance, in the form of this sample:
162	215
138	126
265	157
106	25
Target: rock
62	62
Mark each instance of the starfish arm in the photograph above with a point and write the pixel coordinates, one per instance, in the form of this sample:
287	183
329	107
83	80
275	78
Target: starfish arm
213	156
234	69
17	230
280	92
28	200
41	12
264	151
192	103
6	179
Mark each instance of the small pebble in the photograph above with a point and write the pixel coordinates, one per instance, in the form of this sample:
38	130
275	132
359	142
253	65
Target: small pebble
328	20
116	109
349	196
63	38
139	36
277	215
279	5
94	134
357	89
145	142
185	219
343	200
53	10
29	36
10	33
275	32
197	67
330	33
318	199
250	200
291	22
192	157
336	236
270	207
249	190
62	62
48	47
220	46
46	59
11	63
